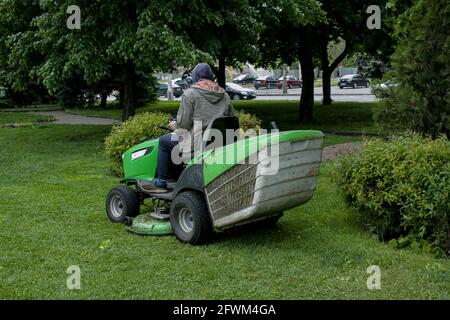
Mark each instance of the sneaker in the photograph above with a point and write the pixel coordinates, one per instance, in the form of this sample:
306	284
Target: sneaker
154	186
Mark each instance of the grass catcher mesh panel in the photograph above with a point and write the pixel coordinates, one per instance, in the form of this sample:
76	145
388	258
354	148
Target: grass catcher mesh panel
232	191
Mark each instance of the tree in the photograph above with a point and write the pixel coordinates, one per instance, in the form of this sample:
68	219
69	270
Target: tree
421	65
346	22
287	36
120	38
16	17
225	30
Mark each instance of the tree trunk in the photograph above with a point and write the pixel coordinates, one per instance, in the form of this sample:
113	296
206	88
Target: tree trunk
326	75
327	70
129	89
306	61
221	72
326	88
103	100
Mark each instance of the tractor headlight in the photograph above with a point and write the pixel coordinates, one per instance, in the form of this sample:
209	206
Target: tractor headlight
140	153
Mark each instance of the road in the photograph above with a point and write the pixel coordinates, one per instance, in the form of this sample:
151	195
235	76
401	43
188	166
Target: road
346	94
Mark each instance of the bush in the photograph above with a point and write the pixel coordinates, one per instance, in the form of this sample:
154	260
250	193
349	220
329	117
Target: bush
400	188
248	121
131	132
421	62
145	126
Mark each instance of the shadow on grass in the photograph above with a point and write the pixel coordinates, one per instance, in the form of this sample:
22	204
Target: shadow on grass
255	234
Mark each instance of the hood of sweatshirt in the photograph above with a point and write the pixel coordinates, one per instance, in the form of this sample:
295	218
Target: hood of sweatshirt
209	90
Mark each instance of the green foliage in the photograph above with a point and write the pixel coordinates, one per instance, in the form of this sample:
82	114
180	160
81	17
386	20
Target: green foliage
422	67
129	133
248	121
400	188
119	43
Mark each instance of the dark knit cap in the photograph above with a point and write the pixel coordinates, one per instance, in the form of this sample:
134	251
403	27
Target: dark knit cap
202	71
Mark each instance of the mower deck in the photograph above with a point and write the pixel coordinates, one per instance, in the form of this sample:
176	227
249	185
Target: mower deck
168	196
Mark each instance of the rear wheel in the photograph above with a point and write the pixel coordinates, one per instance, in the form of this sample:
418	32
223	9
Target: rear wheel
353	85
122	202
190	218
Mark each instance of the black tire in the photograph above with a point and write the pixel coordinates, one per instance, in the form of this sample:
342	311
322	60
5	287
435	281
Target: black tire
367	84
127	221
122	202
289	86
236	97
354	85
190	218
340	87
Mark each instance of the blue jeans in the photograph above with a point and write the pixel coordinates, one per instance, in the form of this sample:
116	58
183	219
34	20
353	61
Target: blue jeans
166	169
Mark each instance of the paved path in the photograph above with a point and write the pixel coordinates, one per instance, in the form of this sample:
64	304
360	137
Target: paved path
331	152
66	118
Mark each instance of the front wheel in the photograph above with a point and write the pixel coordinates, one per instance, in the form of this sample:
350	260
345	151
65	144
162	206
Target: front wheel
190	218
122	202
236	97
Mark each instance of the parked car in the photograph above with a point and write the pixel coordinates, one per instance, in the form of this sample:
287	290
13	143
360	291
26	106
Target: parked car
353	81
291	82
387	85
244	79
383	88
182	83
176	89
236	92
265	82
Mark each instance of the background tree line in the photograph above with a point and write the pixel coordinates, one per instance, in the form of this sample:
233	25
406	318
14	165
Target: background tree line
122	43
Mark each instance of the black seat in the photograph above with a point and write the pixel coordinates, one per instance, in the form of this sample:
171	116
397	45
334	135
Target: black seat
221	124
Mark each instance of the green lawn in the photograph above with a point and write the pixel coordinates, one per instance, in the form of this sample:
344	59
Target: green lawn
22	118
341	116
54	182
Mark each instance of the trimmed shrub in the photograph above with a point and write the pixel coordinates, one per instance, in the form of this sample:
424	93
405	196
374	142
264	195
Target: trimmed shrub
248	121
138	128
400	189
144	126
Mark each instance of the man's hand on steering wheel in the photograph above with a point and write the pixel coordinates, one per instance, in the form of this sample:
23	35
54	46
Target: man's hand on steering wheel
171	124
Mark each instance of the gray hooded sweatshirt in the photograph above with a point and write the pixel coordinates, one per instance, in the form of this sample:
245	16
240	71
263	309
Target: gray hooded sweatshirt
203	102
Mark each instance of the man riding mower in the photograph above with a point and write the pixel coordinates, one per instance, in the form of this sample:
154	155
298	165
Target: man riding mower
229	182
